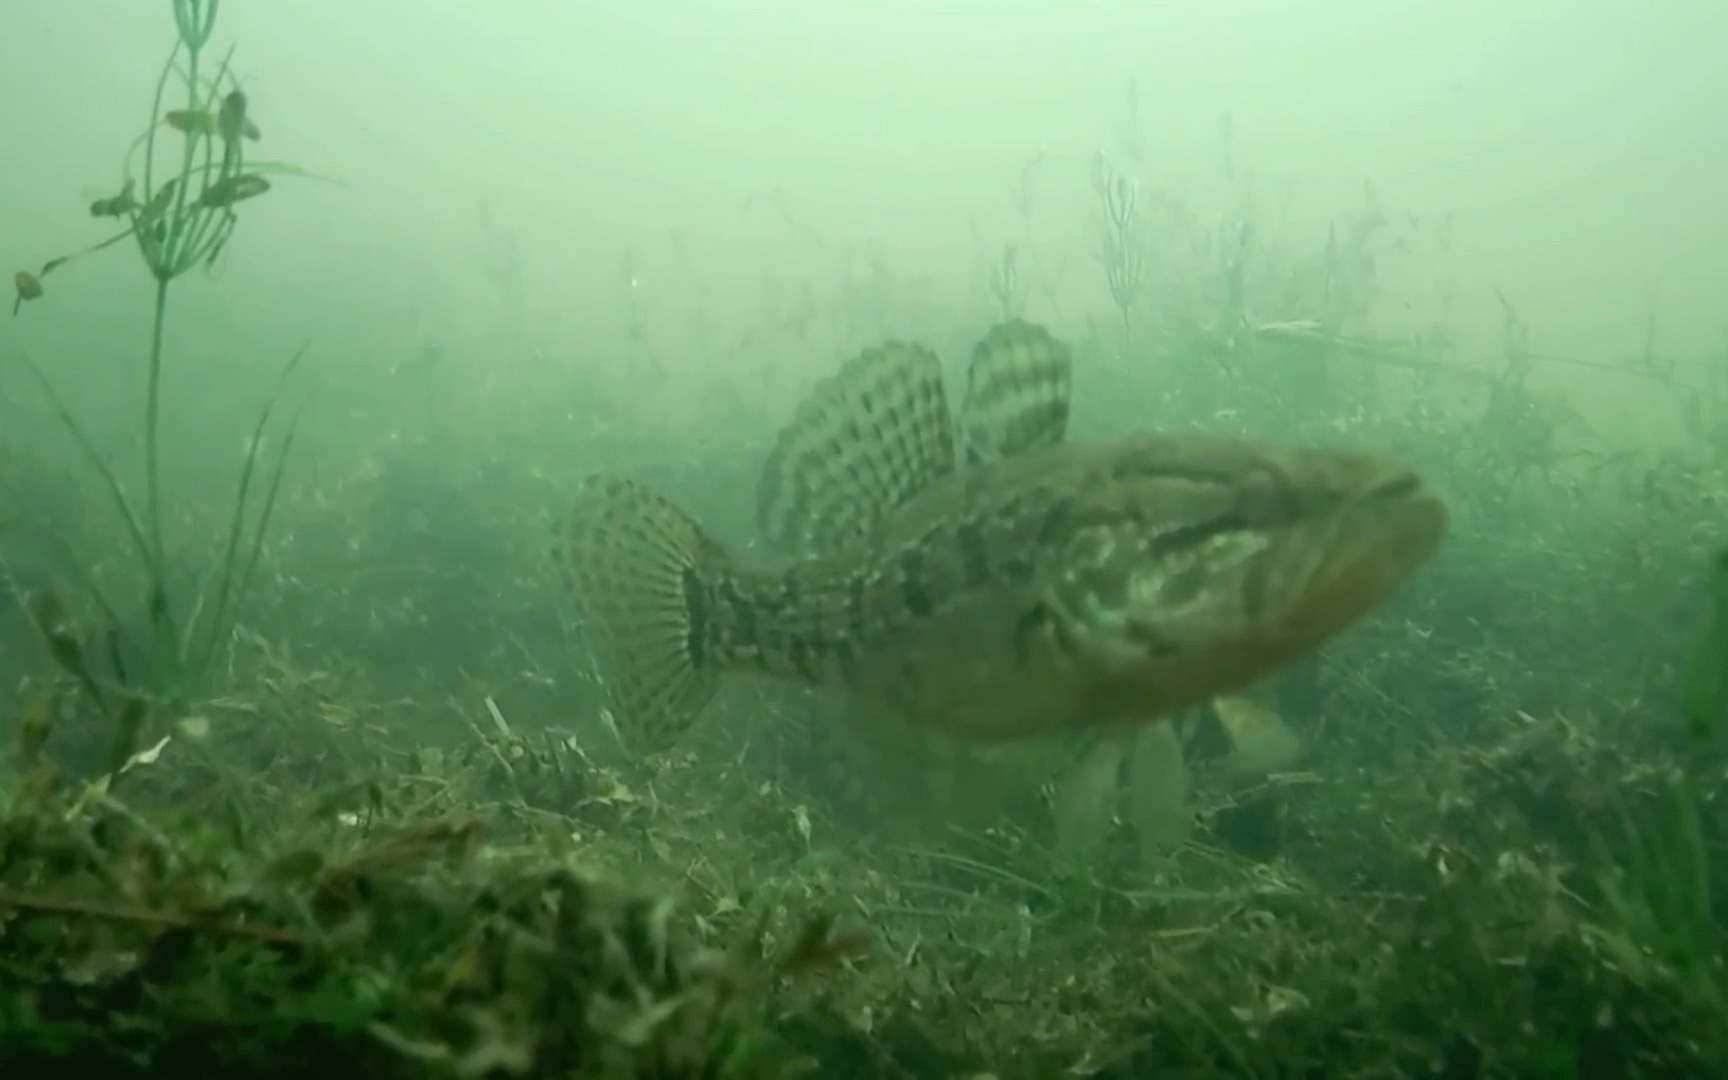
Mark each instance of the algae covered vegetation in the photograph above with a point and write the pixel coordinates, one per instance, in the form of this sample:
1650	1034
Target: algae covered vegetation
384	825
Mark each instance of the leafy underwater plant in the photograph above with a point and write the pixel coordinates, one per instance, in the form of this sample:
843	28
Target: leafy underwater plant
178	205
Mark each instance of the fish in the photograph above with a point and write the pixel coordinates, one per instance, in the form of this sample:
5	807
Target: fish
997	583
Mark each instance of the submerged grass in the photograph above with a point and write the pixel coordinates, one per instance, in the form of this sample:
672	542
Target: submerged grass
1468	883
286	888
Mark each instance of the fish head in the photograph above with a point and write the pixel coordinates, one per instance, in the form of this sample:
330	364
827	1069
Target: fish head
1198	566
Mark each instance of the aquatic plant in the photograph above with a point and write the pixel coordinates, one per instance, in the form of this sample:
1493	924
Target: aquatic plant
1007	288
1705	700
1119	249
177	200
231	915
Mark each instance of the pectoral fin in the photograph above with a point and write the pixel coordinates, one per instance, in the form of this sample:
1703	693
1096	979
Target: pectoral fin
1158	804
1086	796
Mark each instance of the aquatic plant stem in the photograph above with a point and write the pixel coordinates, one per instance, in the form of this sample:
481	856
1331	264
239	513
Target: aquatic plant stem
161	620
153	423
180	222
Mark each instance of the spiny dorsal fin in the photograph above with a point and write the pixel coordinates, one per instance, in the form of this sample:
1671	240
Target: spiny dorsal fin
1017	390
639	567
868	438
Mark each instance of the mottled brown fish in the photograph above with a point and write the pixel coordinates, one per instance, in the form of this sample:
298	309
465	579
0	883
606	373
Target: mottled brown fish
1010	586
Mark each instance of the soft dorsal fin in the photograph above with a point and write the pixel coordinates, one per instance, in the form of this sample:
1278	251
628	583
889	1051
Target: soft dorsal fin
1017	391
868	438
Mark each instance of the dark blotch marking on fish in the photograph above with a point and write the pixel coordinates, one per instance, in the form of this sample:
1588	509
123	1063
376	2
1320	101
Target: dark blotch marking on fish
1053	519
1254	589
745	612
1037	619
857	596
697	612
1143	634
913	577
1188	536
1199	475
1046	417
803	653
764	607
975	567
844	654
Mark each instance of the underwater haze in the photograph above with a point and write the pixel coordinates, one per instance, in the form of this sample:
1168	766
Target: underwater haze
410	412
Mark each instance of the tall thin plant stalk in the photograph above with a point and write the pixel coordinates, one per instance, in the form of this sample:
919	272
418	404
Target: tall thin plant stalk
178	205
1119	250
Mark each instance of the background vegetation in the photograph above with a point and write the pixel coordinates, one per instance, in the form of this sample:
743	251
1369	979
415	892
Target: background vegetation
385	831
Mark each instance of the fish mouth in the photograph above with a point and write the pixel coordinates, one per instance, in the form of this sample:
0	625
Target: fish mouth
1362	555
1255	600
1314	582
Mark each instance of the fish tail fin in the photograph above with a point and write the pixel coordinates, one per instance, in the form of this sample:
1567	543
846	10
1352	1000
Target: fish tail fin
642	571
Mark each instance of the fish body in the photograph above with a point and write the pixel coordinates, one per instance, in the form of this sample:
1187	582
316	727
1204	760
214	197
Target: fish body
998	584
